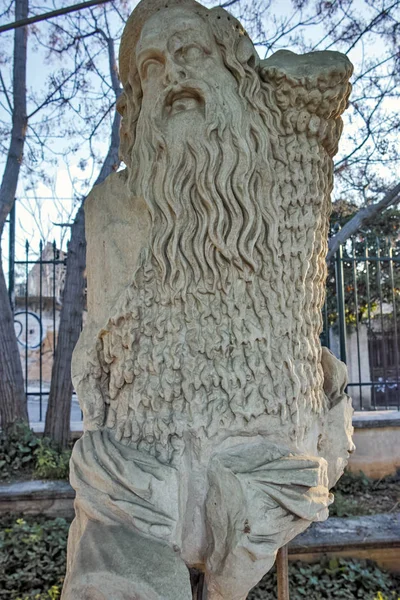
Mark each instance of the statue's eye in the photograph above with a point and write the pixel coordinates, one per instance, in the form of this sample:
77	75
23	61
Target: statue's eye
151	68
192	53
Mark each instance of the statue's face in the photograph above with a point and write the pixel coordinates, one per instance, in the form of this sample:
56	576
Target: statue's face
179	65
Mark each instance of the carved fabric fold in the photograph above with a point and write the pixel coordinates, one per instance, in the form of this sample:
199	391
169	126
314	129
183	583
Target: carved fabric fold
260	497
114	482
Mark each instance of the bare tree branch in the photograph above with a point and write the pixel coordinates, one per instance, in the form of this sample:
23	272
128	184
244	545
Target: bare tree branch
6	93
363	216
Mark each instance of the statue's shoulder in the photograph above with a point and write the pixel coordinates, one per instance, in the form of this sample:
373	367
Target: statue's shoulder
111	203
117	227
103	196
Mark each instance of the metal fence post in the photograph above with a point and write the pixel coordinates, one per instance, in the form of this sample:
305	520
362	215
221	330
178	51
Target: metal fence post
11	258
340	302
198	583
282	570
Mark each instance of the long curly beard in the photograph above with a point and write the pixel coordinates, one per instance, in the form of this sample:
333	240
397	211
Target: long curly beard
213	333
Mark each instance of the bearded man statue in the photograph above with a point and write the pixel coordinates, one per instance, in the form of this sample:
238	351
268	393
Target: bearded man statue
215	424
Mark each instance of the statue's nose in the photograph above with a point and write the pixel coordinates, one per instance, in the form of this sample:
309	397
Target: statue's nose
174	73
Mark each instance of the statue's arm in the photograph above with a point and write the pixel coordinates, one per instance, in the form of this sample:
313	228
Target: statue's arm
117	227
84	358
311	91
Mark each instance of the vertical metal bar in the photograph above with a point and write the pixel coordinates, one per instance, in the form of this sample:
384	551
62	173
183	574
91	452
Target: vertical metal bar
54	305
341	304
355	284
198	584
370	332
40	330
11	258
26	316
383	344
396	343
54	296
326	324
282	570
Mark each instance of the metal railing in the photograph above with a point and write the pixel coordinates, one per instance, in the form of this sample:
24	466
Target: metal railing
36	303
361	320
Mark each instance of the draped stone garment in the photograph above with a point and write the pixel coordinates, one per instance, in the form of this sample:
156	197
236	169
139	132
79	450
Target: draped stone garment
127	508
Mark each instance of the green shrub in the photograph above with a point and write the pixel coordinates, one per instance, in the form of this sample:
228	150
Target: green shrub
331	579
354	483
17	451
347	506
50	463
357	494
32	558
24	454
54	593
359	483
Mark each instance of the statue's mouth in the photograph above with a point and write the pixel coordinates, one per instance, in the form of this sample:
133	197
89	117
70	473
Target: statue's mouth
183	99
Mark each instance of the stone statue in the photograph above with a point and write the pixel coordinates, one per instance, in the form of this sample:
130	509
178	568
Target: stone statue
214	422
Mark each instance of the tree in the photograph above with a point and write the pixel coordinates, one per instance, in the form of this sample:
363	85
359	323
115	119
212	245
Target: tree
15	134
59	408
12	396
362	217
49	112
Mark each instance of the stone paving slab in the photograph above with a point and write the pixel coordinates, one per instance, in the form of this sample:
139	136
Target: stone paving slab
336	534
376	418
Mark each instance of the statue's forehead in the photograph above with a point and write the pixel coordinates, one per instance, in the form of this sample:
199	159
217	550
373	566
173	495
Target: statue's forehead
165	22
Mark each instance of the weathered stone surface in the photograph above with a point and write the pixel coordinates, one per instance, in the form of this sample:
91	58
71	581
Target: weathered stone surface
215	423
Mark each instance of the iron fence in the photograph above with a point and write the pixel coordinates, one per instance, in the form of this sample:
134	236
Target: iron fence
35	286
359	317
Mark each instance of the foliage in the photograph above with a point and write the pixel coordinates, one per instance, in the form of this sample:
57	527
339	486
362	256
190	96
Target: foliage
366	285
357	494
345	506
384	225
354	483
32	558
334	578
51	464
33	555
24	454
17	450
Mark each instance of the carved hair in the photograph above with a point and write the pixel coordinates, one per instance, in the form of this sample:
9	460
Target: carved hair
220	326
242	230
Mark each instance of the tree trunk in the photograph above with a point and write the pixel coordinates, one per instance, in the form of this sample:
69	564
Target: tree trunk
58	414
59	407
13	404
